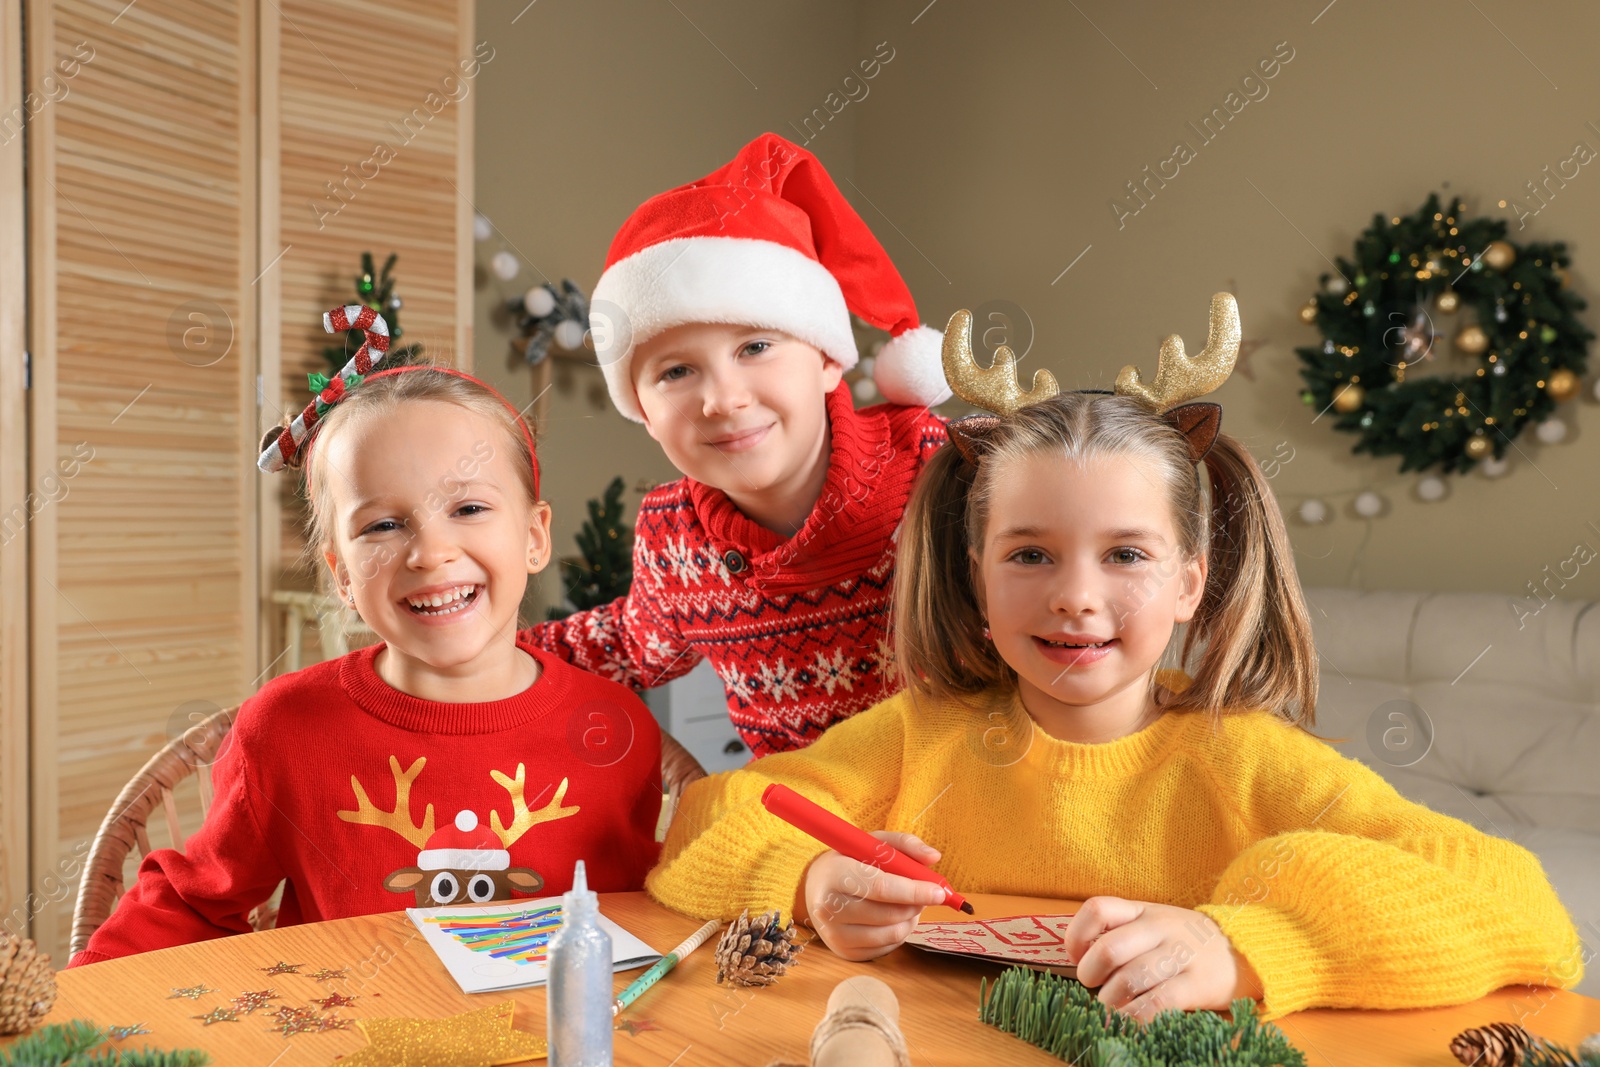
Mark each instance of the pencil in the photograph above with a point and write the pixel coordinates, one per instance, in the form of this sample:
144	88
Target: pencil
664	964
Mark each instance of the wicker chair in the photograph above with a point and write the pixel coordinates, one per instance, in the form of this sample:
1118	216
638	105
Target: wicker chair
124	825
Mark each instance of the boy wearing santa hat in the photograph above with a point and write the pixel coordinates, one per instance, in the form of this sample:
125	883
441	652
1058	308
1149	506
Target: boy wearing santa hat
722	323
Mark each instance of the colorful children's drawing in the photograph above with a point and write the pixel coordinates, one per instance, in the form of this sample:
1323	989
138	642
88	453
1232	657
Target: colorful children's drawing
521	936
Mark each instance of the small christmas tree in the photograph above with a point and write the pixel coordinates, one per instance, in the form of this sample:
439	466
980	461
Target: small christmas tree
605	570
376	291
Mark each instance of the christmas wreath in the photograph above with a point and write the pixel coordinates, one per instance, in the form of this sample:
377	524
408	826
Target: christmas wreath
1383	369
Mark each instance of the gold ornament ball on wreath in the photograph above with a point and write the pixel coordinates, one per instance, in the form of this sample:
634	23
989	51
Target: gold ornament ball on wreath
1449	301
1479	446
1473	341
1500	255
1349	398
1562	385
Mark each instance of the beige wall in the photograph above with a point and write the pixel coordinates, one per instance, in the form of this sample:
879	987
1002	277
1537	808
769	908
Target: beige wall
987	154
589	110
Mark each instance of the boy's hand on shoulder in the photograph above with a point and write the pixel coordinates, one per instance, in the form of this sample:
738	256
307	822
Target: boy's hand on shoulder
860	912
1149	958
678	767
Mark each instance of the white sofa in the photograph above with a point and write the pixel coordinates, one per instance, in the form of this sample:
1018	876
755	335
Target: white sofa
1511	688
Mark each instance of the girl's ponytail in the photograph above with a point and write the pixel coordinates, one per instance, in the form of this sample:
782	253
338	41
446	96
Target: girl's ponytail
1252	620
938	628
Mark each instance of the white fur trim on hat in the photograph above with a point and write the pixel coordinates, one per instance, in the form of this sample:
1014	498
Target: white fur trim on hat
909	369
464	859
736	280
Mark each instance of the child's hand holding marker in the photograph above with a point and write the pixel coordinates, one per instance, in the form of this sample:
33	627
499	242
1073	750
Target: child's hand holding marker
859	911
864	897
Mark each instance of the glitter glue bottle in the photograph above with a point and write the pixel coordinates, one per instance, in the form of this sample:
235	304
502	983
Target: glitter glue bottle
578	1008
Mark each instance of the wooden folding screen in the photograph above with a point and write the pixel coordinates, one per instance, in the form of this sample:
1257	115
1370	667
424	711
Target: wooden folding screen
190	215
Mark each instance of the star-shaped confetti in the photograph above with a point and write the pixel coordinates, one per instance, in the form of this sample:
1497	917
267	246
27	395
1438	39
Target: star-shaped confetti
282	968
122	1033
219	1015
332	1022
298	1025
288	1013
248	1002
635	1027
194	992
482	1038
324	974
334	1000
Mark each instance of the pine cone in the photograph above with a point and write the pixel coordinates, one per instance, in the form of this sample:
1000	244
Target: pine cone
1495	1045
27	984
756	951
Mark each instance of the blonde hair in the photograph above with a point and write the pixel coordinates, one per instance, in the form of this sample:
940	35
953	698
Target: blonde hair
380	397
1251	627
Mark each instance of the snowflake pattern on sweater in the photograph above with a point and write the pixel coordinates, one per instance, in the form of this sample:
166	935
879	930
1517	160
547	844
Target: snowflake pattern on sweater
797	628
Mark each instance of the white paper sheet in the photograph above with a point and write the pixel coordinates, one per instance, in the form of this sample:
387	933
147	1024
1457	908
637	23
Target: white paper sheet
505	945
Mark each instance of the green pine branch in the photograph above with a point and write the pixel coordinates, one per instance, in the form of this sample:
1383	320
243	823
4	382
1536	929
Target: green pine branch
1061	1016
1549	1054
80	1043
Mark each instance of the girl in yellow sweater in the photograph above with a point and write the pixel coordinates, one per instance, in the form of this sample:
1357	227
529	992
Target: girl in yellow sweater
1221	849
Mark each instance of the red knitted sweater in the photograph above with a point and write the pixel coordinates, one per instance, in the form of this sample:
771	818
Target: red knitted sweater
797	629
306	787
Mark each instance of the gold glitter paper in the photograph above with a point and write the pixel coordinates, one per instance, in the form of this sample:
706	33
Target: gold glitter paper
482	1038
1179	377
993	388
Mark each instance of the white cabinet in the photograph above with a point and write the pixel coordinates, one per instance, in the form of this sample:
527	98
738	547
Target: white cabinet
694	709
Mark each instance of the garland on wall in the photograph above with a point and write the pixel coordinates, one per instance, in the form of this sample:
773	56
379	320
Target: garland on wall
1441	342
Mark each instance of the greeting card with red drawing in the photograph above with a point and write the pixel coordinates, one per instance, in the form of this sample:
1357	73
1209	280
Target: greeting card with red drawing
1034	940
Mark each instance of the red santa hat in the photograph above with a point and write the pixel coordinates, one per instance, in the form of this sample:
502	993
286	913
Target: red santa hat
768	241
466	846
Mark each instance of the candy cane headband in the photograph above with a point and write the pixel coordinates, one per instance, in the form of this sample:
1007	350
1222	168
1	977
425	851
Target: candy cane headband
276	455
1179	378
329	392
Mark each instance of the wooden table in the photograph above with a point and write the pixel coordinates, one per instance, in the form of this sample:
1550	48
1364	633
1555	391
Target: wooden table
394	973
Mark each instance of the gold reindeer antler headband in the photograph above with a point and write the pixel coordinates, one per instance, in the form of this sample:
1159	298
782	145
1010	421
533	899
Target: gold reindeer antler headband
1180	379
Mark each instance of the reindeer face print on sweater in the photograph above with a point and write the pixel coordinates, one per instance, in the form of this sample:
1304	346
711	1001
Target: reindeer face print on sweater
464	862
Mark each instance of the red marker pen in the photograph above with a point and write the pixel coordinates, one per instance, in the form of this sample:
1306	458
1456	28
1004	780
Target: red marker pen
851	841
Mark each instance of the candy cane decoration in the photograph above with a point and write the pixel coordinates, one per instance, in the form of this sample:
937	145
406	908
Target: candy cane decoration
370	354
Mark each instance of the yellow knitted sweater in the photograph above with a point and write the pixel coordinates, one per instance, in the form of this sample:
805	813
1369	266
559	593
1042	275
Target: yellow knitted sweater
1340	892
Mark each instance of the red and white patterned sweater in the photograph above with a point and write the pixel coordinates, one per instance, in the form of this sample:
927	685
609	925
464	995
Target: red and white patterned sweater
797	629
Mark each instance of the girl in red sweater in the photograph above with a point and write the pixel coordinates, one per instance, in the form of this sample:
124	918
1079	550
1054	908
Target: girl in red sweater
450	763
